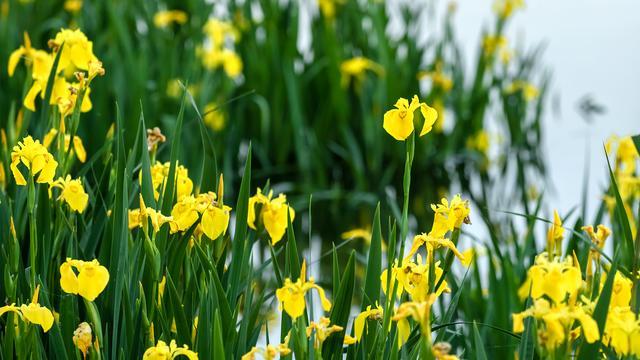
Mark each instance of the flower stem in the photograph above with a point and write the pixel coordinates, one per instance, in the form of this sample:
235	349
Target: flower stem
33	246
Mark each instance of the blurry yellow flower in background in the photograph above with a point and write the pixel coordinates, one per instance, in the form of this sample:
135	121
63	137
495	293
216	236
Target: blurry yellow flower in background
33	312
213	117
438	79
291	295
162	351
505	8
355	68
217	52
91	280
72	193
78	146
493	43
479	142
164	18
82	338
328	8
73	6
621	292
322	330
272	213
529	91
32	154
398	122
218	31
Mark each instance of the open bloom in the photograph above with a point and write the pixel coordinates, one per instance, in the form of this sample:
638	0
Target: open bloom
39	60
77	51
398	122
213	215
622	332
33	312
420	312
557	322
162	351
414	279
91	278
449	215
292	294
272	214
159	177
72	193
78	146
139	217
360	323
554	278
32	154
433	243
322	330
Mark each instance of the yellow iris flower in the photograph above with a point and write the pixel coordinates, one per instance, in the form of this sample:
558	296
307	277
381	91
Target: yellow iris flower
558	322
33	312
163	19
398	122
268	353
449	215
139	217
72	193
622	332
322	330
505	8
360	323
82	338
162	351
159	175
555	234
273	214
91	280
36	158
77	51
554	278
433	243
213	215
292	294
78	146
414	279
420	312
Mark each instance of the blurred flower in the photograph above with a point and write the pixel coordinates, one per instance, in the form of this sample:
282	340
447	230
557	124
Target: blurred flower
163	352
218	30
164	18
78	146
291	295
322	330
269	353
529	91
360	323
36	158
272	214
72	193
73	6
438	79
468	256
398	122
356	67
33	312
626	155
622	332
621	291
154	137
493	43
214	117
328	8
82	338
504	8
479	142
91	280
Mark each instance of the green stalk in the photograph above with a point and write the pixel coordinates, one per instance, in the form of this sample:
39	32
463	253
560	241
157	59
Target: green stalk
31	203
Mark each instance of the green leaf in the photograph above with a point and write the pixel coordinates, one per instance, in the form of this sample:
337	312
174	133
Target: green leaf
146	187
478	346
332	348
526	349
218	343
636	142
374	264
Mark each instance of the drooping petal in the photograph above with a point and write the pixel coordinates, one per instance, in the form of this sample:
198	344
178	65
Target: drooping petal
430	115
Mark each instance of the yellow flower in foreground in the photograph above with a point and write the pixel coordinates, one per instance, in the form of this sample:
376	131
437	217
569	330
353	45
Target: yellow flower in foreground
77	51
36	158
214	218
91	280
558	322
292	294
360	323
621	292
622	332
414	279
420	312
356	67
272	214
82	338
139	217
78	146
555	278
160	175
72	193
323	330
39	60
163	352
433	243
33	312
269	353
449	215
165	18
398	122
